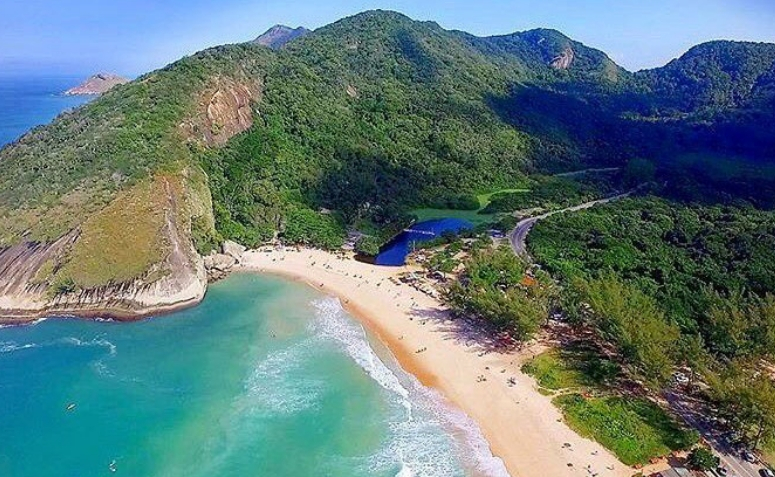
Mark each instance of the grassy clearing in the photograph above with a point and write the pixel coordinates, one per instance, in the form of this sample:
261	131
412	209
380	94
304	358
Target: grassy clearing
473	216
634	429
571	369
485	199
123	240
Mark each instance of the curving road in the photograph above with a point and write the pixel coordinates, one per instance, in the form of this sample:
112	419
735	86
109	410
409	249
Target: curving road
598	170
518	236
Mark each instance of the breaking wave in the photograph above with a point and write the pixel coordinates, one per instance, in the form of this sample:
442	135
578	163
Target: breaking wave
415	446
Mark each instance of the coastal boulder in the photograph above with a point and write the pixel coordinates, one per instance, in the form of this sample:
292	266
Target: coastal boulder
220	262
233	249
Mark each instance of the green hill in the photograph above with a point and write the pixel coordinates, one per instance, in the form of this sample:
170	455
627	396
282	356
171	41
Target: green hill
353	124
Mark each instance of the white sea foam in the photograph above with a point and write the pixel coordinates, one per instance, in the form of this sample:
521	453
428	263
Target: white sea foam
333	324
416	445
10	346
269	392
99	342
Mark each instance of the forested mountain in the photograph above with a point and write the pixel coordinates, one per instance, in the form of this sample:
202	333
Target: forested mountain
715	76
350	125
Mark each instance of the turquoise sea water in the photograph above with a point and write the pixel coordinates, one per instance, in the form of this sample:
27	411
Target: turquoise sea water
265	378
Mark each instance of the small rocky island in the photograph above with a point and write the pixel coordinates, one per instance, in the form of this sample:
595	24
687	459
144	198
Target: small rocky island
96	85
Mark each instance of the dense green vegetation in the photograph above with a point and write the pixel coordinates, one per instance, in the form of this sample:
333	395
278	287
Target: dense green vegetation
377	114
494	288
703	459
670	284
682	255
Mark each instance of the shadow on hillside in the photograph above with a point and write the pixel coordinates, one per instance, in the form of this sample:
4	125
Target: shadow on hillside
582	124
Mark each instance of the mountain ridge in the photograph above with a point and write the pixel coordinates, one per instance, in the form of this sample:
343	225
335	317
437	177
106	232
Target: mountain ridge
366	117
279	35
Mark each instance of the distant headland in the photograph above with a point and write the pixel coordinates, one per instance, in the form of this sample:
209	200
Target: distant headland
97	84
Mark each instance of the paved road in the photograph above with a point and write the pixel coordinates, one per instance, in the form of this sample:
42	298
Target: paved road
695	416
518	236
587	171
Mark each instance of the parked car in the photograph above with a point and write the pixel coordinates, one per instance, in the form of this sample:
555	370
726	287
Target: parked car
722	471
766	473
749	456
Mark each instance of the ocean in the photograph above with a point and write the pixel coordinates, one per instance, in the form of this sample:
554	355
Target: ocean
28	101
265	378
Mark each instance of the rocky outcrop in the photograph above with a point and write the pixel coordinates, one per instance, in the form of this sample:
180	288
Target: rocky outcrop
225	110
279	35
563	60
35	282
233	249
219	265
23	298
97	84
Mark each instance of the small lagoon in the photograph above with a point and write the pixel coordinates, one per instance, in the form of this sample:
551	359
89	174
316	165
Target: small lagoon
395	252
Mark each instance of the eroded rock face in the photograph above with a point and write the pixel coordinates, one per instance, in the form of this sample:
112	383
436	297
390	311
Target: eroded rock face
564	59
23	298
29	287
225	110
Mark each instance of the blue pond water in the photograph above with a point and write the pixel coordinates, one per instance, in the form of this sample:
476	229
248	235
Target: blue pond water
395	252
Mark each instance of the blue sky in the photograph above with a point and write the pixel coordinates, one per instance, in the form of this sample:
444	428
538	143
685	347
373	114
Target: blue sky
134	36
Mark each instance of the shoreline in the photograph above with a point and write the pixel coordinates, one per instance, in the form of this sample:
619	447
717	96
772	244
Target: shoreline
93	312
522	427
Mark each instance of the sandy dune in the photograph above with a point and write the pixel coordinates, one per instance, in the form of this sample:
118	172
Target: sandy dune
521	425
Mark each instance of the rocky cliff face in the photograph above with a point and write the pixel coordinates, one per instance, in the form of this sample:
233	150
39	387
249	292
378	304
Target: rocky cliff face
36	279
97	84
225	110
564	59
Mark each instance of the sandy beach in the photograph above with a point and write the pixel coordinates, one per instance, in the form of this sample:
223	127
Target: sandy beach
521	425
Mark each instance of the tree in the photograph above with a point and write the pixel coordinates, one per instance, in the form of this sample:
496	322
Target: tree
492	288
692	354
627	317
638	171
746	396
368	245
743	327
703	459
